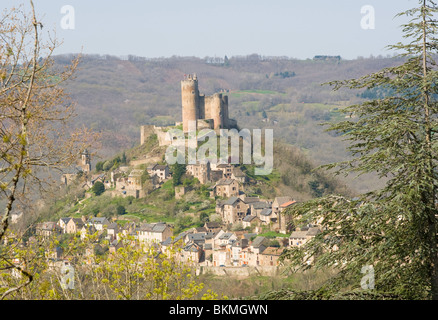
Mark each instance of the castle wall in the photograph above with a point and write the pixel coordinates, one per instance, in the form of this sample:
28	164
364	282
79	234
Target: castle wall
224	111
201	107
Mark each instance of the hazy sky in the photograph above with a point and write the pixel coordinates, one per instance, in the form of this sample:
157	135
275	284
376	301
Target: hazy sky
163	28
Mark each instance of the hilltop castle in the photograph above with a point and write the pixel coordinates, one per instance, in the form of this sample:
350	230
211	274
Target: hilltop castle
208	111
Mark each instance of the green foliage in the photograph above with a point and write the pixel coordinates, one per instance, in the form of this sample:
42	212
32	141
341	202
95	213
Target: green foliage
99	166
274	243
132	271
98	188
178	170
107	165
391	229
315	187
121	210
204	217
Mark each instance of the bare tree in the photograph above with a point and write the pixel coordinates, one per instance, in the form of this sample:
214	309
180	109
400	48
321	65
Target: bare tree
34	112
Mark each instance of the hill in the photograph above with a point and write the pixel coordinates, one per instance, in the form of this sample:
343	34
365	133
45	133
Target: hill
116	96
293	176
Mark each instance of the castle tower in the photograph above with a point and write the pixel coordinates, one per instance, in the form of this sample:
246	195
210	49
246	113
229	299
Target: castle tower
85	161
190	100
225	115
216	110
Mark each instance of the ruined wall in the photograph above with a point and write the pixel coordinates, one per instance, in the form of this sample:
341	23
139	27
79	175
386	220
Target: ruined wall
145	132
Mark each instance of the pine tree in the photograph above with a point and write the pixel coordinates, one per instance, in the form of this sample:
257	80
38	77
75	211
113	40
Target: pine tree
393	230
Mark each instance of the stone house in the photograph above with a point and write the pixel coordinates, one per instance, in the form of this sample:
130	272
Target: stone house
94	178
198	237
212	226
208	253
256	248
200	171
74	225
222	257
270	256
159	170
300	237
267	216
154	232
216	175
278	201
224	239
134	178
227	170
98	222
283	219
237	174
257	207
48	229
129	186
192	253
112	230
62	222
232	210
237	258
252	222
259	244
225	188
278	206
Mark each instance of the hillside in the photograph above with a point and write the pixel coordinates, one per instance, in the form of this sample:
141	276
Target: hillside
294	176
116	97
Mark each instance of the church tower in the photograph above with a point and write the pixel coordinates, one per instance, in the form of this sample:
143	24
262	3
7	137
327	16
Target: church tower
85	161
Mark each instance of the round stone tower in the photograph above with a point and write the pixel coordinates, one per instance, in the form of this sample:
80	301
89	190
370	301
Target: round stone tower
190	100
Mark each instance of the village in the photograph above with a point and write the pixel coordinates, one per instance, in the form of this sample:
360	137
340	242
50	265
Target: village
216	243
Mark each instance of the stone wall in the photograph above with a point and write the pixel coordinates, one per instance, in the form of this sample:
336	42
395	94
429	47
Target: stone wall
239	271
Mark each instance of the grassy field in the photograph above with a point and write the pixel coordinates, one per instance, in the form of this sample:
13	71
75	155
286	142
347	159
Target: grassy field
251	287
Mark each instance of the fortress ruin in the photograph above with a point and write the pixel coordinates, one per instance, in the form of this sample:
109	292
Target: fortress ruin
206	112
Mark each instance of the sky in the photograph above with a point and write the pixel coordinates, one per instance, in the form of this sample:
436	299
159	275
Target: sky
297	29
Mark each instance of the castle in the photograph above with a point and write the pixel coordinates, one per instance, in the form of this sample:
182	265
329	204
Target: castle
206	111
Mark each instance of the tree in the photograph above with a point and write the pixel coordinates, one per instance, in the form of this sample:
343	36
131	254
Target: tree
34	113
204	217
107	165
99	166
123	159
178	171
132	272
393	230
98	188
121	210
